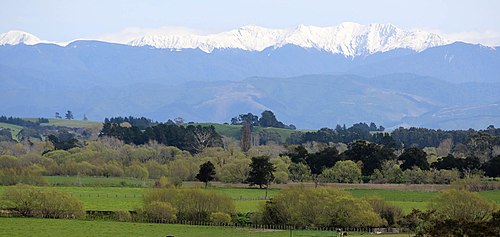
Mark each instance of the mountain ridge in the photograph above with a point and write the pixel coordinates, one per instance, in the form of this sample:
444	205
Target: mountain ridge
347	39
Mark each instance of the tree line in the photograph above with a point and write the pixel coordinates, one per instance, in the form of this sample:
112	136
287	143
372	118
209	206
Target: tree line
267	120
190	138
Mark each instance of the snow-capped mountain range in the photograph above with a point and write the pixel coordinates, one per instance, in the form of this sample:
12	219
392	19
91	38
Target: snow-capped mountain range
348	39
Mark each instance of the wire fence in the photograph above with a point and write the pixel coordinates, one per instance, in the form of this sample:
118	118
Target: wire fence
113	195
137	218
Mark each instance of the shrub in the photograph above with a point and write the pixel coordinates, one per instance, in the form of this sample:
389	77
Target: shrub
122	215
319	207
460	205
474	183
281	177
30	201
392	214
192	204
342	172
220	218
157	210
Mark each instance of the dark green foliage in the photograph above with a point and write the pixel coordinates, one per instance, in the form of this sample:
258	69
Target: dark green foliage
359	131
63	141
142	122
261	171
191	138
268	119
449	162
267	137
492	167
5	135
252	120
206	173
322	160
18	121
298	155
43	120
246	136
69	115
414	157
370	154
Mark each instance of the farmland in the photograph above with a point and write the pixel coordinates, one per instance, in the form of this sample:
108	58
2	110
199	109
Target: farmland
96	196
16	227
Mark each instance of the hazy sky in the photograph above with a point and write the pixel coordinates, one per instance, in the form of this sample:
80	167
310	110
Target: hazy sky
119	20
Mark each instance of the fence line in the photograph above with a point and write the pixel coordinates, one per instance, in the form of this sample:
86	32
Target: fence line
110	216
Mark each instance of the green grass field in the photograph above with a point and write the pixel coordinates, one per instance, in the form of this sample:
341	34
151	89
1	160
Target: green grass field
235	130
245	199
20	227
72	123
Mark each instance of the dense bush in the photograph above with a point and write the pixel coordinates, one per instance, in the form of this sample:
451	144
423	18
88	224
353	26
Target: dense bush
122	215
220	218
319	207
342	172
30	201
157	210
462	205
390	213
191	204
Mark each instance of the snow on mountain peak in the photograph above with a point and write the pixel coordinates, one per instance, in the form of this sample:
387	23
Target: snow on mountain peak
15	37
349	39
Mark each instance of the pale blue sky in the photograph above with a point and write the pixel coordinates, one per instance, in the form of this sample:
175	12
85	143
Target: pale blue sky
59	20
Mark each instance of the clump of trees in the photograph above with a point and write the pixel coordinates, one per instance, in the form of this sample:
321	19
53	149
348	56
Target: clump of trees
186	204
319	207
267	120
190	138
455	213
30	201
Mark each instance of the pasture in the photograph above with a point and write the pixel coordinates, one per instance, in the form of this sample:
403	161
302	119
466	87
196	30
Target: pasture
17	227
111	194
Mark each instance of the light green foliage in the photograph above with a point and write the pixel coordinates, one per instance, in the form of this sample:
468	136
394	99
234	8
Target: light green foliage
157	210
272	151
137	171
280	177
299	172
113	169
235	171
417	176
31	201
281	164
155	169
220	218
390	172
462	205
342	172
13	172
9	162
192	204
60	156
122	215
319	207
183	170
445	176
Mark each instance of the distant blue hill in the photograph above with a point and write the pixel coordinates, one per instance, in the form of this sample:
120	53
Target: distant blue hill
453	86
